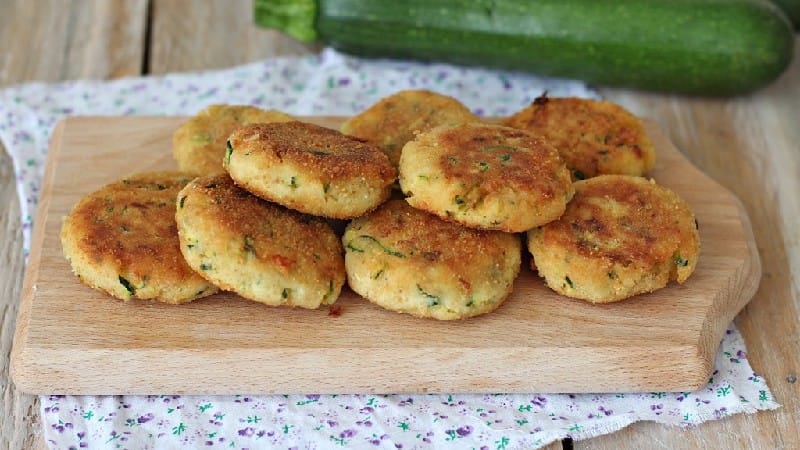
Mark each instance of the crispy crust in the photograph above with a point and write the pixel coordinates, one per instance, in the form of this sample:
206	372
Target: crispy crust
310	168
409	261
485	176
198	145
262	251
392	121
122	239
593	137
620	236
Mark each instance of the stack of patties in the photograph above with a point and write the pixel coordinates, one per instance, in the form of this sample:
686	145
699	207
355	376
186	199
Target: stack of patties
449	251
251	210
259	230
621	234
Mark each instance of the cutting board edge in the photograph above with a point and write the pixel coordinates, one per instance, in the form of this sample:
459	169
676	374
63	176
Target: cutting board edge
618	374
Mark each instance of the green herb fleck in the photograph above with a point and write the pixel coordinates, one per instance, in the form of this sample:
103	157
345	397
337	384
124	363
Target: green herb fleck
613	275
679	261
578	175
205	266
452	160
160	186
228	152
377	274
569	282
433	300
326	187
318	153
483	166
385	248
352	247
505	157
248	245
458	200
293	182
127	285
110	209
285	293
182	201
330	291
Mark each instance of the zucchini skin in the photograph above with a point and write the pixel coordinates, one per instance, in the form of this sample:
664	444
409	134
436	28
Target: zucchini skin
705	47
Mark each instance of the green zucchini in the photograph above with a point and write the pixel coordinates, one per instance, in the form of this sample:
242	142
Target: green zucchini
792	10
707	47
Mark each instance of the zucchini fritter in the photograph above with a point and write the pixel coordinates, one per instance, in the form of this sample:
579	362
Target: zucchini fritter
593	137
261	251
309	168
413	262
485	176
198	145
620	236
122	239
392	121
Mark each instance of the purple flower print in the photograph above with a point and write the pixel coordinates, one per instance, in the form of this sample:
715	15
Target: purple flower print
466	430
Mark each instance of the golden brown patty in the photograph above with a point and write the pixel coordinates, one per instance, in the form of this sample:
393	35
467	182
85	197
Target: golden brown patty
261	251
199	144
409	261
393	120
309	168
122	239
620	236
593	137
485	176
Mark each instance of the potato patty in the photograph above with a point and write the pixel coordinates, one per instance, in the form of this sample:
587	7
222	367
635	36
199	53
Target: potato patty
593	137
261	251
309	168
485	176
198	145
392	121
620	236
410	261
122	239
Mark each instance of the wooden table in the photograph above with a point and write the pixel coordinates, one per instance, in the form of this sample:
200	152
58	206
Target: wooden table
749	144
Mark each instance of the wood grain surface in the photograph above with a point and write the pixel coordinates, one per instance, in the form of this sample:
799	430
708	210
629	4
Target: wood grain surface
66	332
749	144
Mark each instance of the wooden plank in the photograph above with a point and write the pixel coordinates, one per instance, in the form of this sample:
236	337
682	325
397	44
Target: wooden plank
749	145
621	347
199	34
50	40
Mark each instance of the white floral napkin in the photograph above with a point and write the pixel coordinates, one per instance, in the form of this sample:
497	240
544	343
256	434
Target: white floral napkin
317	85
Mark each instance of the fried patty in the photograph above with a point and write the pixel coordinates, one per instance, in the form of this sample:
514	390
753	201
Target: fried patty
260	250
485	176
593	137
122	239
198	145
392	121
412	262
309	168
620	236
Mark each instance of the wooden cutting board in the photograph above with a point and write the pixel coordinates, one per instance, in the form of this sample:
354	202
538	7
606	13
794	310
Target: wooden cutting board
71	339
